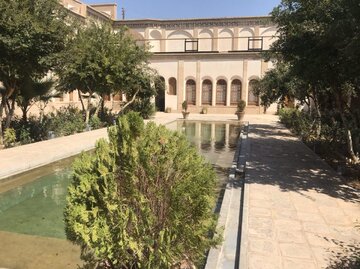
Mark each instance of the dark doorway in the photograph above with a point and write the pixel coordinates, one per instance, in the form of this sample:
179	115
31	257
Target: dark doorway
160	95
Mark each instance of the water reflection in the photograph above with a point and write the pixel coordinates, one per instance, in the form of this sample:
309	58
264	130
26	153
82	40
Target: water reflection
215	140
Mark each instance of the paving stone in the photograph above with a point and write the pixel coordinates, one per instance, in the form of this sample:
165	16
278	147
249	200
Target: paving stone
260	212
260	203
311	213
280	213
294	250
316	228
290	236
310	217
287	224
266	247
264	262
325	256
334	215
291	263
319	240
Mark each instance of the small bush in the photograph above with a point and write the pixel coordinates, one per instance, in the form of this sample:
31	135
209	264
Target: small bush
184	105
9	137
144	199
297	121
241	106
29	131
144	107
95	122
25	136
65	121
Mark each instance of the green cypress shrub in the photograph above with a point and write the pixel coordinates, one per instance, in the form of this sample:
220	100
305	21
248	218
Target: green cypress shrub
144	199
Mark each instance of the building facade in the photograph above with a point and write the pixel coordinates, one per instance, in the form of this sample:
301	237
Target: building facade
211	63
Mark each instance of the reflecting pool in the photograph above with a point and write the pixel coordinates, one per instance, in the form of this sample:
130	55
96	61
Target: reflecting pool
36	208
33	203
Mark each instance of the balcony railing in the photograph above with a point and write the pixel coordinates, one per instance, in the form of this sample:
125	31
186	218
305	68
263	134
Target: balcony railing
209	45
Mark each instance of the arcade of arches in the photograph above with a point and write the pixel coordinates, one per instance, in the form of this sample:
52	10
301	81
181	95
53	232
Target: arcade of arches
218	93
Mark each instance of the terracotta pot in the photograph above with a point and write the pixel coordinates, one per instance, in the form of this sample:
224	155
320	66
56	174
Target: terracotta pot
240	115
185	114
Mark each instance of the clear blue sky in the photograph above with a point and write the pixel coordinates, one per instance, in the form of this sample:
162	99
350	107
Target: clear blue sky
173	9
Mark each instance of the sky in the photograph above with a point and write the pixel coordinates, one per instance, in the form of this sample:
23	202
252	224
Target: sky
178	9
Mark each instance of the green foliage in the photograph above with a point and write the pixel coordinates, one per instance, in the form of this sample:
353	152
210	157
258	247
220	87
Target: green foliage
99	60
9	137
25	136
144	199
145	108
241	106
65	121
184	105
32	90
32	34
297	121
316	53
95	122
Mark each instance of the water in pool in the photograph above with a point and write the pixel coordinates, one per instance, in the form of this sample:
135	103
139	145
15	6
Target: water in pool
36	207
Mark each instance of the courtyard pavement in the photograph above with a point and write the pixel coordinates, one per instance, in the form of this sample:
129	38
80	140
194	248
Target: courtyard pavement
296	214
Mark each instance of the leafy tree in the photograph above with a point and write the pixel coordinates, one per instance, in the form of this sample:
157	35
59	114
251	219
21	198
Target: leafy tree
144	199
32	32
316	41
32	91
101	61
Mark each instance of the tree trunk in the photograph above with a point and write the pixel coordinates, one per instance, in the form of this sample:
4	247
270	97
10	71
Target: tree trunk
41	113
317	121
102	112
81	101
88	107
1	121
348	136
99	106
24	110
10	113
129	103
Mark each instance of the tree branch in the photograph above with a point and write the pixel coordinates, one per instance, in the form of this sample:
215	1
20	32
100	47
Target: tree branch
130	102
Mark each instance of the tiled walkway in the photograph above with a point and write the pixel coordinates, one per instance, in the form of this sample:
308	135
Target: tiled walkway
295	213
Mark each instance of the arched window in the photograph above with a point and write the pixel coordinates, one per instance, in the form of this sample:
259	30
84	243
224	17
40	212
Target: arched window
252	98
235	94
172	86
206	92
221	92
160	94
191	92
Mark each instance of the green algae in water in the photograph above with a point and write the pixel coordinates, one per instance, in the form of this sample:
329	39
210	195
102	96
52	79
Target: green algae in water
36	208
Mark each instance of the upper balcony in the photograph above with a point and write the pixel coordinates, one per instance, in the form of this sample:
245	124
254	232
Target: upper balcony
208	45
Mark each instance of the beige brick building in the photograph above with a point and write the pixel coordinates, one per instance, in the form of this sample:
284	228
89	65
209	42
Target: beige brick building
211	62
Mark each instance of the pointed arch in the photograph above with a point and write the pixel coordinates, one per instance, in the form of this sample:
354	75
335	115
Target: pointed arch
190	92
235	91
172	86
253	99
225	42
205	40
206	89
221	87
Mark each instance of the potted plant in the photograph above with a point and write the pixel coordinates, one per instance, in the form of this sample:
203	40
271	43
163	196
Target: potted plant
184	109
204	110
240	111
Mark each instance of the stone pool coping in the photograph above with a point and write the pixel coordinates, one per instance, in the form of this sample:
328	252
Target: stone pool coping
17	160
230	217
20	159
